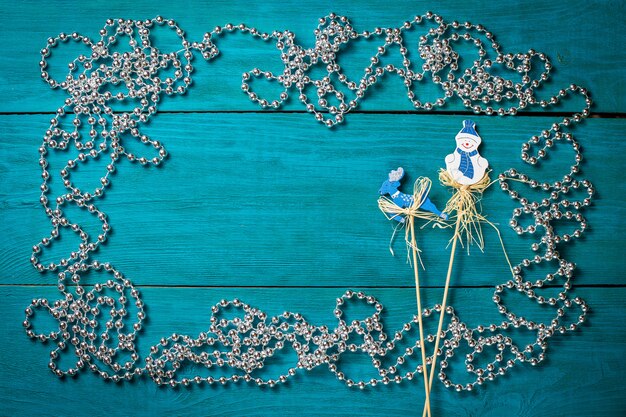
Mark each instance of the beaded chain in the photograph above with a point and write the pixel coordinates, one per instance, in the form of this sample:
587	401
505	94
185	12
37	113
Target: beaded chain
97	323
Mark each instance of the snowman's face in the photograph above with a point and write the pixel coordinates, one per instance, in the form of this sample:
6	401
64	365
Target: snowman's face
467	143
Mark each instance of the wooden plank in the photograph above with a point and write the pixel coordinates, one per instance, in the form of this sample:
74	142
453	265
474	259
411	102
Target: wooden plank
579	378
295	205
566	31
275	200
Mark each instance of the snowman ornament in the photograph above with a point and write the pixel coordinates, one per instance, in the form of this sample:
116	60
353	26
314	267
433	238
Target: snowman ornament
465	164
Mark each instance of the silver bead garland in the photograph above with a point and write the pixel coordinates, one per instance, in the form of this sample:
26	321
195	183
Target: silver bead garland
244	343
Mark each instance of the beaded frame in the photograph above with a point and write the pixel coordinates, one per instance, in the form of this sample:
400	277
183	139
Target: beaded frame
245	342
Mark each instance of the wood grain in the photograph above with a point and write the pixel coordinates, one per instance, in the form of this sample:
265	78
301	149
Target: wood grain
583	39
275	209
528	391
283	206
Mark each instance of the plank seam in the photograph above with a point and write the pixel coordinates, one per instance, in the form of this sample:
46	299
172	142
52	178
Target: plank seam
598	115
316	287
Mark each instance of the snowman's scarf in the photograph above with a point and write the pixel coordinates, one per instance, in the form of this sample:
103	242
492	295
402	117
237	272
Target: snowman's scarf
465	165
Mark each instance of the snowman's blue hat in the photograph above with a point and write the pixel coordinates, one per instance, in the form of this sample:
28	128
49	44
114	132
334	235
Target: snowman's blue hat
469	131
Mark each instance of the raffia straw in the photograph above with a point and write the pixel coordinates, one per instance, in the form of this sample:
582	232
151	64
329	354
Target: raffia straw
421	188
392	211
465	202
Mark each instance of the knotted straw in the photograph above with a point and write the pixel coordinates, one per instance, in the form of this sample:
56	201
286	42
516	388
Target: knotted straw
465	202
392	211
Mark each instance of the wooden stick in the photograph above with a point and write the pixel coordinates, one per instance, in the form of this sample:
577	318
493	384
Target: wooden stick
419	317
442	313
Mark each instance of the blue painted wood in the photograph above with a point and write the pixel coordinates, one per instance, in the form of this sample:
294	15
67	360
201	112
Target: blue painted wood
251	201
581	376
310	187
583	39
391	187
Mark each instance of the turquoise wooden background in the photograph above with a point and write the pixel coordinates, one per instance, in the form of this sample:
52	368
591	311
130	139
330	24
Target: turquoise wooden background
279	211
